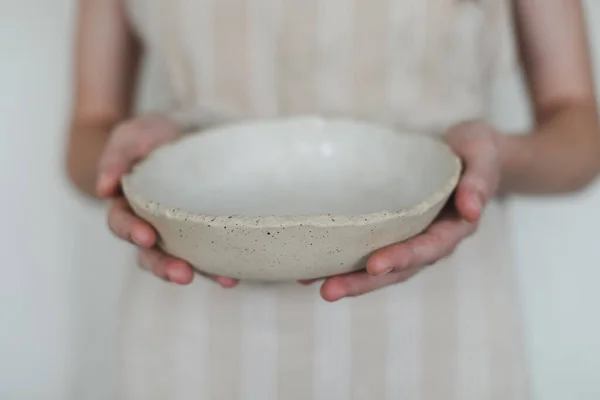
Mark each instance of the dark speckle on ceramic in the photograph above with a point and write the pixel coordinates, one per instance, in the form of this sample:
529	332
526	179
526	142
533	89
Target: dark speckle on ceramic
313	200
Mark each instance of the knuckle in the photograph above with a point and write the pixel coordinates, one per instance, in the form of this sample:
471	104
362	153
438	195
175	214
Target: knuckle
432	242
150	261
159	267
475	183
114	153
350	289
144	145
448	251
116	223
130	131
470	229
113	218
437	245
109	156
142	260
410	257
118	230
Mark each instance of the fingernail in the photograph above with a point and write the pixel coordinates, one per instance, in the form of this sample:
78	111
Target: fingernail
226	282
175	274
140	238
136	240
385	272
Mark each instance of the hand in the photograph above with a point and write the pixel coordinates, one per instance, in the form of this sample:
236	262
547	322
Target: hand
478	146
129	143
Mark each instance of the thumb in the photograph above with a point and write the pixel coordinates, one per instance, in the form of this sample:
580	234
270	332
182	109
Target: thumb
469	202
480	176
109	179
477	185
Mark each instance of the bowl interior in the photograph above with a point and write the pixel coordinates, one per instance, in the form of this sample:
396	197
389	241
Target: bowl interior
295	167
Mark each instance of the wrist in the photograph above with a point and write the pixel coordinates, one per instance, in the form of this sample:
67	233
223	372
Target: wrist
84	150
547	161
516	153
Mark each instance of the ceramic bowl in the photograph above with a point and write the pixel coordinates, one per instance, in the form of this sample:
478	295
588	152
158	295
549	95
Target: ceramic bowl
295	198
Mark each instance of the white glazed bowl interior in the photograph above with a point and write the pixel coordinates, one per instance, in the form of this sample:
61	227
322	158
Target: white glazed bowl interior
296	167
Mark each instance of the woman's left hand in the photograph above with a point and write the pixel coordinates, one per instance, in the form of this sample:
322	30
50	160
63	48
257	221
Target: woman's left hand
478	146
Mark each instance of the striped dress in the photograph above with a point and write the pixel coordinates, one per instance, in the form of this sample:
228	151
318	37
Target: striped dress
451	333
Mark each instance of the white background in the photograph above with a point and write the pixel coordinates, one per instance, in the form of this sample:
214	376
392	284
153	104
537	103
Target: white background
60	269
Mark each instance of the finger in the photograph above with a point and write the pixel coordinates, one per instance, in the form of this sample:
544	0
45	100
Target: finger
475	144
307	282
166	267
129	143
224	281
469	203
113	164
109	180
359	283
174	269
437	242
474	189
126	225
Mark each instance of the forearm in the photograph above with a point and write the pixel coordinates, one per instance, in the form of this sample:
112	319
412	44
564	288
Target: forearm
561	155
87	141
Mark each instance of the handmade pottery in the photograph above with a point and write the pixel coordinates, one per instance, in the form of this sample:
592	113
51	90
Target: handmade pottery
291	198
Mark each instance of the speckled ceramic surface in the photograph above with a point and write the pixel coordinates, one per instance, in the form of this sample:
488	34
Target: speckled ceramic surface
288	199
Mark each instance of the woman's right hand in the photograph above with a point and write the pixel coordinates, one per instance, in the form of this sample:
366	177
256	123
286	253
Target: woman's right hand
129	143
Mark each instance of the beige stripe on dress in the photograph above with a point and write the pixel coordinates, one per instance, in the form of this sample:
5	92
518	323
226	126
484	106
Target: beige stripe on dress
369	332
296	58
259	368
177	58
189	342
509	376
473	314
439	343
334	79
232	58
137	316
153	302
371	57
406	46
404	349
198	36
264	29
331	374
224	341
296	332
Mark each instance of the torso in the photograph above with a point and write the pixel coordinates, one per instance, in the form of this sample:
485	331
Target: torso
453	332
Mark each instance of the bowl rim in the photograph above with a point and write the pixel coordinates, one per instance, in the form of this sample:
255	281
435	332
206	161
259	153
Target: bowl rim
158	209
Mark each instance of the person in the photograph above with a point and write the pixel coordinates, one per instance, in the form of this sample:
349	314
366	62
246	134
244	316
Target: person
451	331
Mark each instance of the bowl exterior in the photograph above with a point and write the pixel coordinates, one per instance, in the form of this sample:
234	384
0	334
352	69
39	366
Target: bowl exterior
286	253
